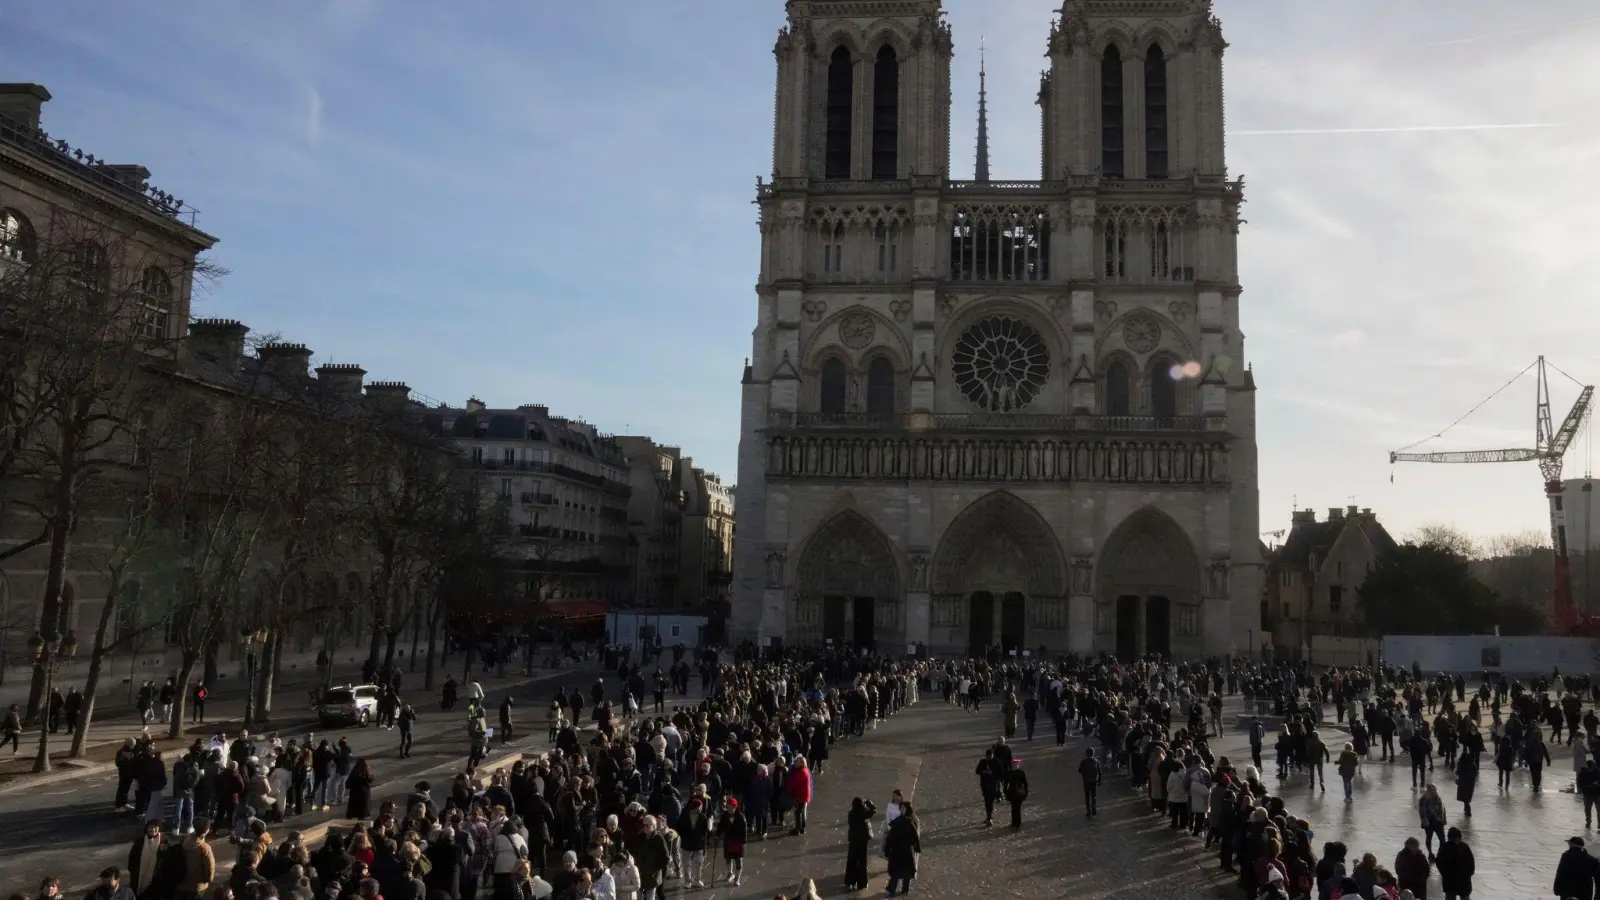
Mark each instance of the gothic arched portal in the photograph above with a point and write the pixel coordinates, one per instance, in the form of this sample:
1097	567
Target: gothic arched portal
999	580
847	587
1149	589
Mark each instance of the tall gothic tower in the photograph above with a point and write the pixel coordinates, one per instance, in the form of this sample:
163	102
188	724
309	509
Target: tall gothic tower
986	416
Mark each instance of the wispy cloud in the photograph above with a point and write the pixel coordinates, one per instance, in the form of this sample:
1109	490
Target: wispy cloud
1515	32
1397	129
313	122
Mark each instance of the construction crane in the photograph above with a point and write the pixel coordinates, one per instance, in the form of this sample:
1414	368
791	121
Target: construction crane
1550	446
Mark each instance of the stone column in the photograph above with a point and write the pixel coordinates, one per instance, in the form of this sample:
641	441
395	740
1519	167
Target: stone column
1081	620
918	601
774	598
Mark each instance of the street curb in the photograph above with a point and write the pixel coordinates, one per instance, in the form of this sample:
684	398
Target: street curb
62	771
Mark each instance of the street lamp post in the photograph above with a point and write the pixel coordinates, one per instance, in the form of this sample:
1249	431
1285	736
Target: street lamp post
253	640
48	650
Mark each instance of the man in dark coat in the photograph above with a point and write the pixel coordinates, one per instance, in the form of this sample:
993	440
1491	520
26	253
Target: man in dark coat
989	777
1016	792
1456	866
1575	873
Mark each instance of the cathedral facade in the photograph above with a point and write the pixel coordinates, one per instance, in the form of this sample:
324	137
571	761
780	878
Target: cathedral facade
983	413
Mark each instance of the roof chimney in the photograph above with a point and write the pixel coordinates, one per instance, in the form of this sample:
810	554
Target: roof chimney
389	394
1352	511
217	342
131	174
1335	514
285	363
21	102
1366	511
1303	516
475	405
342	380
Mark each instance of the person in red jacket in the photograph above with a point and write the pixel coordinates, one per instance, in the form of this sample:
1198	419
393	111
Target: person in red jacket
799	786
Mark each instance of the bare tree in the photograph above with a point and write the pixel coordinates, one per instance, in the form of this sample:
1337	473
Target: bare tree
1519	566
84	319
1445	537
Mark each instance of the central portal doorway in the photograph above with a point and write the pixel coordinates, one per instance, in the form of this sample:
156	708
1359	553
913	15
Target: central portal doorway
980	627
865	617
1158	626
1013	623
1127	629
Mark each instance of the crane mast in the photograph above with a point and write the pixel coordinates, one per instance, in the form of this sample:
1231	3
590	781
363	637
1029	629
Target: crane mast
1550	446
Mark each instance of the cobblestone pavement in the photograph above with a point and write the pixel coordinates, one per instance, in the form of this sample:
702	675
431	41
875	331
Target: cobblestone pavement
929	752
1516	835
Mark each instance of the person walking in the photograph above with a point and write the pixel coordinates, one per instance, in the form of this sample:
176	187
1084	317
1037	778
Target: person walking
1089	770
858	843
1349	761
1430	809
1016	791
1575	872
902	847
1466	782
406	719
1456	866
989	777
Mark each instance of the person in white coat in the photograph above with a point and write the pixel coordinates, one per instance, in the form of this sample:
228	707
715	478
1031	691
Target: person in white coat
1178	798
1199	798
624	877
509	849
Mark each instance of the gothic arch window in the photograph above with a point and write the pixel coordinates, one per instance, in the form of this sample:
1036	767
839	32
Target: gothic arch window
886	115
1160	251
835	386
888	239
841	88
833	251
1163	390
155	303
1111	137
1119	389
1155	113
17	242
1115	251
880	387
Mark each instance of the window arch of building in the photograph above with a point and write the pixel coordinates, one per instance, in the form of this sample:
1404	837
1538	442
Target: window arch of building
838	113
833	384
89	267
882	385
155	302
17	240
1155	113
1163	387
886	114
1112	139
1117	387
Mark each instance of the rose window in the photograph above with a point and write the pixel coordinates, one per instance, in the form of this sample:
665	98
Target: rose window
1000	364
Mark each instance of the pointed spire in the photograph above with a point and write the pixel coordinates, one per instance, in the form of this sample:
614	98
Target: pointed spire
983	115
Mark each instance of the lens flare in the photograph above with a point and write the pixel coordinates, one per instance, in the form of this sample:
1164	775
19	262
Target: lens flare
1180	371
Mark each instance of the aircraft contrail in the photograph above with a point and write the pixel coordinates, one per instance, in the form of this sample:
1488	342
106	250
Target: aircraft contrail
1395	130
1505	34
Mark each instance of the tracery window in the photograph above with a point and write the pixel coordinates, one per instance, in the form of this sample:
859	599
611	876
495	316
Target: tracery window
838	113
887	237
1155	113
880	387
1163	391
1118	389
886	115
1000	243
1000	364
835	387
16	237
155	303
1111	133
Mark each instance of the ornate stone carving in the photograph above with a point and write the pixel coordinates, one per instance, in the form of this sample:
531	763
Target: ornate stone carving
947	611
1060	305
1105	311
1100	460
1217	577
775	561
1102	618
1000	364
857	330
1186	623
901	309
1083	575
1181	310
1047	612
948	304
814	309
919	571
1142	333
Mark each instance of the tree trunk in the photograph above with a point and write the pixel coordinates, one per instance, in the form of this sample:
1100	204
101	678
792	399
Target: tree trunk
61	510
416	635
270	661
433	637
180	703
97	658
393	636
376	644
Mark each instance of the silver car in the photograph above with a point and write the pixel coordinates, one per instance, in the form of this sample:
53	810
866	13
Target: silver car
357	703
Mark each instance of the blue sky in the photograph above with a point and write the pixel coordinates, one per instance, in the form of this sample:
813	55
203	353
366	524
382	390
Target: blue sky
550	202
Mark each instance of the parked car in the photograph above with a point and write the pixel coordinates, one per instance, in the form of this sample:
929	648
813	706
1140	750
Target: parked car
356	703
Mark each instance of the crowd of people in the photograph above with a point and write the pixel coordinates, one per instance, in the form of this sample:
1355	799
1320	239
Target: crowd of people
621	802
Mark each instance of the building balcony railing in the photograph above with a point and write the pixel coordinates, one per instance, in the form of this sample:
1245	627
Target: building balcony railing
534	498
500	465
1176	183
1011	422
36	143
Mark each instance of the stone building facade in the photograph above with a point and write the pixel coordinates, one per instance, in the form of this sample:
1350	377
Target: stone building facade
1313	581
681	517
1012	413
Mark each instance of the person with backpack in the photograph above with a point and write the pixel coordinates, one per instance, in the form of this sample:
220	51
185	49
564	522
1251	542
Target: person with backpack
185	776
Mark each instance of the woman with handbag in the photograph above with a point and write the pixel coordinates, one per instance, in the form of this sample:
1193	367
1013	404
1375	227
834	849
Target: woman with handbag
858	843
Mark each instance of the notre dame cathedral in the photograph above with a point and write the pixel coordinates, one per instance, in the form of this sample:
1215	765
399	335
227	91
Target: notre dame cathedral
987	413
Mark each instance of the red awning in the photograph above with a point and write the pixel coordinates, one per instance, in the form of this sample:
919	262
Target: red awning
580	609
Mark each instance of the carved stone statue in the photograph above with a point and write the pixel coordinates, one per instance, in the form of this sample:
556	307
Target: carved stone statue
775	570
1083	575
919	571
1219	577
